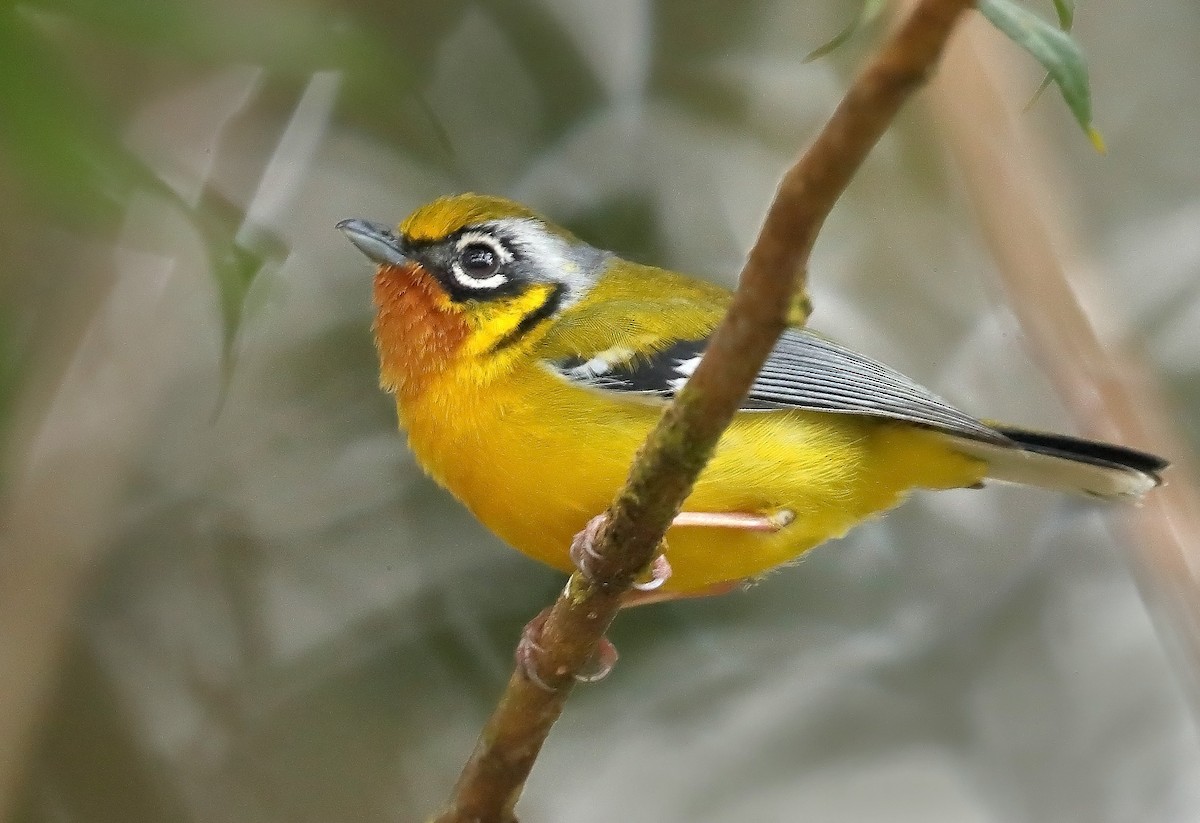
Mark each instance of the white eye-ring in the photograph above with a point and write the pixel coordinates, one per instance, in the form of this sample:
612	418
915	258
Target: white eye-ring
478	260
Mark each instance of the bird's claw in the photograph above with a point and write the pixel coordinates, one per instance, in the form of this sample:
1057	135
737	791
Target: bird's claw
528	650
601	663
583	546
584	556
656	574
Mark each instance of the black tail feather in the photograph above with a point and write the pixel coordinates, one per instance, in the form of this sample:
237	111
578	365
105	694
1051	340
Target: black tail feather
1086	451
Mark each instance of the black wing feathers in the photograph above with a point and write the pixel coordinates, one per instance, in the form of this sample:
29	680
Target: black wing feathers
654	374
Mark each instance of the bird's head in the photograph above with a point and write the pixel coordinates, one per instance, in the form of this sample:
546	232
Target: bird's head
467	278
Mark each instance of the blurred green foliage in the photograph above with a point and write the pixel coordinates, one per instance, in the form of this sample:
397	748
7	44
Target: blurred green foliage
61	139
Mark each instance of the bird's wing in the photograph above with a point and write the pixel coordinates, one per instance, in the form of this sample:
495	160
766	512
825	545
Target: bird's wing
804	371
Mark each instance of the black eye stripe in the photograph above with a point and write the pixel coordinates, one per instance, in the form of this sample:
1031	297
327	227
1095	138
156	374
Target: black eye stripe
445	260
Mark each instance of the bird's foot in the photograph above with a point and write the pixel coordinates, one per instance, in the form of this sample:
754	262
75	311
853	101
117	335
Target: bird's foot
657	573
602	661
529	649
584	556
583	546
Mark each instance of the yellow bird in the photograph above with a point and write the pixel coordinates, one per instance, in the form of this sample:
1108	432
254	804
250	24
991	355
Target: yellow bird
528	366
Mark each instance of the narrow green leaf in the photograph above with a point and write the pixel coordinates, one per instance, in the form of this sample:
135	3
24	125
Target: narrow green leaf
1066	13
1066	18
870	10
832	43
1055	50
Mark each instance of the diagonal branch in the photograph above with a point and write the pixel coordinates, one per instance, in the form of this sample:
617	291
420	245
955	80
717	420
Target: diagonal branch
665	469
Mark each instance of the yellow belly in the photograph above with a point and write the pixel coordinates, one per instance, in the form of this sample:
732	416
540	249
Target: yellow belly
535	458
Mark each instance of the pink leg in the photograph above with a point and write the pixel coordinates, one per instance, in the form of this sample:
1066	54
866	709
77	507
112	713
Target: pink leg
743	521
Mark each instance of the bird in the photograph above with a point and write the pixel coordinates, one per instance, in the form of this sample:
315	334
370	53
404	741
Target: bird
528	366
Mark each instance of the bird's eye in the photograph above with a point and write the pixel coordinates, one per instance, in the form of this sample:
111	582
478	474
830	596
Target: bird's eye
479	260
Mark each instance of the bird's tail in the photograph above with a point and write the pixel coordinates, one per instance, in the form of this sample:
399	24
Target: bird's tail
1071	464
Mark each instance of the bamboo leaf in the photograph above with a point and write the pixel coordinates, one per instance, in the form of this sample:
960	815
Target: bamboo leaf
1066	18
1055	50
1066	13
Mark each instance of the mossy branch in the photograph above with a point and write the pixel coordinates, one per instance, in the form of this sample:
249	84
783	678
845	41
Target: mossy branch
665	469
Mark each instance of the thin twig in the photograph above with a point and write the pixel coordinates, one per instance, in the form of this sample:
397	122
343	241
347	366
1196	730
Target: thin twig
1107	392
665	469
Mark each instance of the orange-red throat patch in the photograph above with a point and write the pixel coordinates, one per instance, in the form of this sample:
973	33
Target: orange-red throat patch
418	329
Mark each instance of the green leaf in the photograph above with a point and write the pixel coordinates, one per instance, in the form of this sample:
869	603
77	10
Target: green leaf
870	10
1066	13
1066	18
1055	50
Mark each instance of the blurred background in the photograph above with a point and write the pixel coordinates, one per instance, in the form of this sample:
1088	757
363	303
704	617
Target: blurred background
228	594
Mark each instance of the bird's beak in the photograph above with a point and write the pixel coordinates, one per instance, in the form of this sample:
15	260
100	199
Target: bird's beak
379	243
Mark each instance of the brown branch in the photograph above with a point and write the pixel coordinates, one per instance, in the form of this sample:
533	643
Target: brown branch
665	469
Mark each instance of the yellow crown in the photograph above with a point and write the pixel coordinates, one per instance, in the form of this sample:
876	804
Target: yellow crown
446	215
